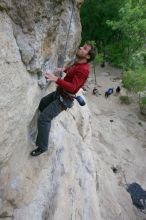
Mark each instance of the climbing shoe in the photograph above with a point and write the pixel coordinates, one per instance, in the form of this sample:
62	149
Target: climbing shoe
37	152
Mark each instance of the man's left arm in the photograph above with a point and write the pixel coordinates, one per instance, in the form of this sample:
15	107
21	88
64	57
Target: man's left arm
73	86
77	82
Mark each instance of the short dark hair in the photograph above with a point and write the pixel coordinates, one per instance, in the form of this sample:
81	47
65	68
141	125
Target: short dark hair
91	53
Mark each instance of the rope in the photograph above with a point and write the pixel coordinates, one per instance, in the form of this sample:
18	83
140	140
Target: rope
41	83
94	72
67	37
125	179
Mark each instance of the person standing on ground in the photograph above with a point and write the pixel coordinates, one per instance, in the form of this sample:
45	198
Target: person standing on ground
61	99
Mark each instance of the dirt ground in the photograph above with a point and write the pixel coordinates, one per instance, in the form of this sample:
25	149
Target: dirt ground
118	133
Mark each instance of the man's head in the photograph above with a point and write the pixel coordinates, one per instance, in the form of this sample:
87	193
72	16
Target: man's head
86	52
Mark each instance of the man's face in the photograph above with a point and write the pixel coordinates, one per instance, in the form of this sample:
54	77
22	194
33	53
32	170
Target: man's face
83	51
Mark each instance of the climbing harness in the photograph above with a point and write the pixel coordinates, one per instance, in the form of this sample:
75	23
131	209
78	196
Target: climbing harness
79	99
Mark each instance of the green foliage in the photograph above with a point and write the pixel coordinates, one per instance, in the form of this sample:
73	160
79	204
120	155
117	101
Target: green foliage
99	58
115	54
92	42
94	14
125	100
135	81
142	103
131	26
137	59
118	28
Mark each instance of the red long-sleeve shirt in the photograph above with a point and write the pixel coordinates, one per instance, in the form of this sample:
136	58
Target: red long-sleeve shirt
76	76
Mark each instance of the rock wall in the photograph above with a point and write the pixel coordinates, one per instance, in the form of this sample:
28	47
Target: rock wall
55	185
66	185
40	27
74	179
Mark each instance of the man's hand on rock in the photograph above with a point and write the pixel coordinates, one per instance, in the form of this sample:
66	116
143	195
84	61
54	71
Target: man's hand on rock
59	69
50	77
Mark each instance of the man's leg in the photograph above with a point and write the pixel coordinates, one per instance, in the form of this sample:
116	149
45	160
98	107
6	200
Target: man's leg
44	125
45	101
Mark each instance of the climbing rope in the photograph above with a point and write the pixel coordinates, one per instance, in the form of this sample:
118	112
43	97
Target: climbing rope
44	66
95	90
94	73
67	37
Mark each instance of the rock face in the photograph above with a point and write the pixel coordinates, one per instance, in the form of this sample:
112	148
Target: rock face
32	38
74	179
40	27
67	177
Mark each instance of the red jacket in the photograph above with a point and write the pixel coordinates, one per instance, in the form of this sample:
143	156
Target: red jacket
76	76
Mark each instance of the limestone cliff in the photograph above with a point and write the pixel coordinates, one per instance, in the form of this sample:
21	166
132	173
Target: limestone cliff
32	37
74	180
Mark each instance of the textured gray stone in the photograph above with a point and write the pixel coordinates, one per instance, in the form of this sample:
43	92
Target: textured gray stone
31	40
73	180
40	29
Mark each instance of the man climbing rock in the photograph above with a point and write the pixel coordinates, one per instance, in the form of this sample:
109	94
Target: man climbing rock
54	103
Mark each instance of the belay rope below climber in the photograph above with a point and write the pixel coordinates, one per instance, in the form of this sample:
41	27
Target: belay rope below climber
94	72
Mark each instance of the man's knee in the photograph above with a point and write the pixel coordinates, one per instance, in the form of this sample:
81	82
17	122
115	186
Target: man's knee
42	105
43	118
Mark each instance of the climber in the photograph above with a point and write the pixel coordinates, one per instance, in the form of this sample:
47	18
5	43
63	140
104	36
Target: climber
109	92
95	91
61	99
118	89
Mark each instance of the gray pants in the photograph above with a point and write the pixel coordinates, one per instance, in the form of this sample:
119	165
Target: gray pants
50	106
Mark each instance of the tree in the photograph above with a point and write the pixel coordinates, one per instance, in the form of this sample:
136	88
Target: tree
135	82
132	28
94	14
